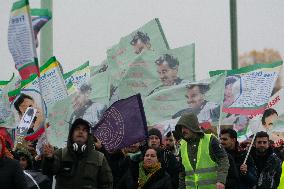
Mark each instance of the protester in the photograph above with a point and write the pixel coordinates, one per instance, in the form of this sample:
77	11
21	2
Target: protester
171	142
240	175
148	174
204	160
267	163
168	160
78	165
11	174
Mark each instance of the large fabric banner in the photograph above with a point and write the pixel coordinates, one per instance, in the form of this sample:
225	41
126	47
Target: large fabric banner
248	89
203	98
77	77
122	124
21	40
29	95
39	18
153	71
52	85
149	37
89	102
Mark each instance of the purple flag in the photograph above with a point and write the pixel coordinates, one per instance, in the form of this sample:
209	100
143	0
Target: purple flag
122	124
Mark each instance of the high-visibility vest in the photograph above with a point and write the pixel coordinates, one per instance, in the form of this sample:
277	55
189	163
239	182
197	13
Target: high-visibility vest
205	174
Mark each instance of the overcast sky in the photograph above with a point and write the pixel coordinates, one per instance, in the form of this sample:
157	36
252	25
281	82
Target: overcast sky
85	29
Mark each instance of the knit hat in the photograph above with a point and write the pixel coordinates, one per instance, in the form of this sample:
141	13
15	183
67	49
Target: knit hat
156	132
190	121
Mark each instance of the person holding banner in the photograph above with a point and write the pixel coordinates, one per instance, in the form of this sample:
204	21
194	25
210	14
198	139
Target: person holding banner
268	165
140	42
245	177
205	162
11	174
78	165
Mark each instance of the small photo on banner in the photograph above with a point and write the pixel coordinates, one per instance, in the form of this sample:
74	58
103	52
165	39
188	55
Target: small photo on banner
122	124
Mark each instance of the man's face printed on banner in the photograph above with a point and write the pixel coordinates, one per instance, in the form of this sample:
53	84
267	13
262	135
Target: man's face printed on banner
194	97
167	75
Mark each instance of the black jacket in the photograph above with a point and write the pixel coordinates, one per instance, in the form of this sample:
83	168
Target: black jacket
244	181
160	180
11	175
268	169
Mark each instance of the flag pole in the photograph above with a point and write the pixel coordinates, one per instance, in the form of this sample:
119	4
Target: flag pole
234	34
46	34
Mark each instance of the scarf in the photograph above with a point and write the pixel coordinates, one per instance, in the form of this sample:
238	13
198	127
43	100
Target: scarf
146	172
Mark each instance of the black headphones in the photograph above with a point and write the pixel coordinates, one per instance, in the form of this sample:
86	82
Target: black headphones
79	148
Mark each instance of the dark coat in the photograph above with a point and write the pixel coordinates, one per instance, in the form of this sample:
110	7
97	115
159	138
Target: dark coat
86	170
159	180
268	170
245	181
11	175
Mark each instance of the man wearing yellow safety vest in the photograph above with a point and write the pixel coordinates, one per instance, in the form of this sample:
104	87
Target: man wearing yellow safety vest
204	160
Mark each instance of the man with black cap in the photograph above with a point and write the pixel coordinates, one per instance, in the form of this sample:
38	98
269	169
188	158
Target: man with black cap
140	42
205	162
79	165
168	160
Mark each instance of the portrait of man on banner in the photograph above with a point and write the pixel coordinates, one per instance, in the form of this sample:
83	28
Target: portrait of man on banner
167	69
140	42
86	108
205	110
233	89
26	102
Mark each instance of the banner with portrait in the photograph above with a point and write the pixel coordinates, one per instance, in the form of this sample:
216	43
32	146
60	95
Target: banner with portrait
89	102
247	96
248	89
149	37
154	71
203	98
29	95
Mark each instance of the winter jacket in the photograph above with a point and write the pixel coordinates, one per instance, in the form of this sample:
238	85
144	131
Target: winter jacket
245	181
268	169
159	180
87	170
11	174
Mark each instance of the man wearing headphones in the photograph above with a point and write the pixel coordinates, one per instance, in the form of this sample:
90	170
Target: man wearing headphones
78	165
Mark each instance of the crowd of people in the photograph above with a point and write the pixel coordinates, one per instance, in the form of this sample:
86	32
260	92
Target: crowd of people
186	158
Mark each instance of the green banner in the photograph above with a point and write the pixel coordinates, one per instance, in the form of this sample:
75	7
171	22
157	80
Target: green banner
153	71
88	102
203	98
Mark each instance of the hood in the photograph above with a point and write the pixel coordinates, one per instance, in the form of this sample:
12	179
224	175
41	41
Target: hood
190	121
90	141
